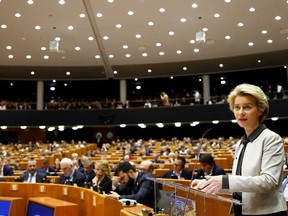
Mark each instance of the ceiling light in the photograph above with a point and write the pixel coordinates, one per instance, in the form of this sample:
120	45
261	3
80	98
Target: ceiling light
30	2
43	48
150	23
28	56
125	46
196	50
227	37
162	10
68	73
259	61
51	129
74	128
192	41
77	48
80	126
10	56
185	68
65	84
23	127
105	37
158	44
183	20
82	15
200	37
17	15
177	124
269	41
227	1
160	125
32	73
138	36
141	125
3	127
118	26
194	5
171	33
240	24
3	26
149	70
97	56
99	15
178	51
61	2
122	125
52	88
115	72
221	65
252	9
54	45
8	47
128	55
278	18
37	27
216	15
130	13
171	77
161	53
111	56
70	28
110	1
234	121
90	38
223	82
46	57
264	31
144	54
274	118
215	122
250	44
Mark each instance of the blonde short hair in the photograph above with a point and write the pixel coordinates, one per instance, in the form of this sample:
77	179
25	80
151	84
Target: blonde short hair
254	91
104	165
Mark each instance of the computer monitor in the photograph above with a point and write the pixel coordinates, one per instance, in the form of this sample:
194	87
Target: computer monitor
36	209
5	207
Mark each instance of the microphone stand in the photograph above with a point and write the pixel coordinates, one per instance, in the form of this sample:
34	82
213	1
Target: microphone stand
194	168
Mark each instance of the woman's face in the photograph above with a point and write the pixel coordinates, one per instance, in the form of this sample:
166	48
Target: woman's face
246	113
98	172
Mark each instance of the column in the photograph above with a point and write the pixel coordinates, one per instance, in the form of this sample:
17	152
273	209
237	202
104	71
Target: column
123	91
40	95
206	88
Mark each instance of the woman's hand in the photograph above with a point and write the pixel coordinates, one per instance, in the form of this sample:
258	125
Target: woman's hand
213	184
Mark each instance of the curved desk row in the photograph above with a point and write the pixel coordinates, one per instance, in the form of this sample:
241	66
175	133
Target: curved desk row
89	203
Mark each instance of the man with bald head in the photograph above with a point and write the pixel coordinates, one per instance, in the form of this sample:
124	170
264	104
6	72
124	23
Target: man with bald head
146	166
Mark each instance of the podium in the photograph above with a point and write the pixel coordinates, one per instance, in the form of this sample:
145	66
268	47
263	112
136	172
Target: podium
185	201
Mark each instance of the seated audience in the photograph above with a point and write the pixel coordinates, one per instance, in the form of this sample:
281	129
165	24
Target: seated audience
102	182
56	165
5	170
146	166
32	175
47	169
130	184
88	172
208	167
179	171
70	176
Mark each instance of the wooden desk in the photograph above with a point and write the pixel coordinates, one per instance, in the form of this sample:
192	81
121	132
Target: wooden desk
90	203
60	207
18	205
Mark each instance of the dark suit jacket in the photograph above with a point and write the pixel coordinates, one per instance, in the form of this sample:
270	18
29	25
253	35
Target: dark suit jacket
39	177
217	170
78	178
8	171
186	174
105	185
51	171
142	190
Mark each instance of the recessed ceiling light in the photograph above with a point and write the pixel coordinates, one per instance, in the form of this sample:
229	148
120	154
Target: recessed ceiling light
192	41
3	26
105	37
97	56
23	127
136	79
171	33
32	73
122	125
274	118
68	73
215	122
138	36
171	77
183	20
37	27
82	15
178	51
149	70
221	65
46	57
61	2
240	24
77	48
10	56
177	124
158	44
43	48
115	72
278	18
70	28
30	2
196	50
130	13
264	31
227	37
99	15
17	15
270	41
162	10
227	1
259	61
8	47
144	54
28	56
250	44
205	29
90	38
125	46
128	55
194	5
161	53
118	26
216	15
252	9
150	23
110	1
111	56
184	68
57	38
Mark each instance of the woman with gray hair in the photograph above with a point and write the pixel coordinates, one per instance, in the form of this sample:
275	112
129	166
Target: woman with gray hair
256	178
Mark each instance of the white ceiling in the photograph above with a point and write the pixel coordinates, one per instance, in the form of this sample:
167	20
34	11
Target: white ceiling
54	19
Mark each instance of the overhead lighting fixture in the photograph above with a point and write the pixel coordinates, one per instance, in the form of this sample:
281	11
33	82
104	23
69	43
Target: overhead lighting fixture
160	125
42	127
234	121
3	127
215	122
23	127
177	124
274	118
122	125
54	46
141	125
200	37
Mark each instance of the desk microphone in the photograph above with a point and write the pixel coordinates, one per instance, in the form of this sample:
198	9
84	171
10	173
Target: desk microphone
195	166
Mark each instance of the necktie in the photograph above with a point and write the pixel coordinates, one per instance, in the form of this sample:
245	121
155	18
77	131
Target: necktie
30	178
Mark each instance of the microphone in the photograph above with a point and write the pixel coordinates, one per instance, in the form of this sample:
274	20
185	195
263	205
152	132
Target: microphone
195	166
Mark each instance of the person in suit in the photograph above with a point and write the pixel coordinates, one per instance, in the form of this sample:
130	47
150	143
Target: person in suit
127	183
258	161
32	175
89	173
102	182
208	167
179	171
146	166
70	175
5	170
46	168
